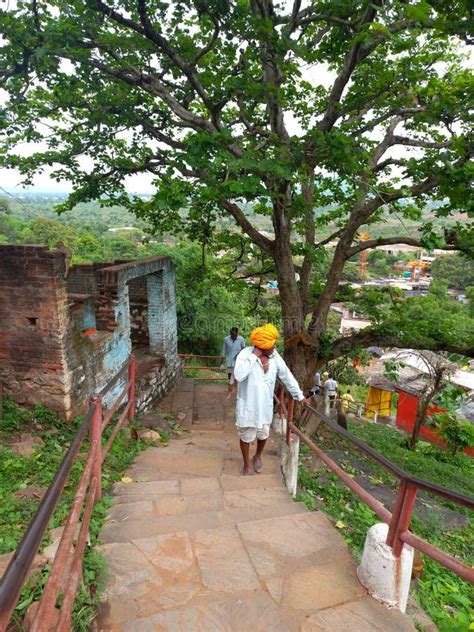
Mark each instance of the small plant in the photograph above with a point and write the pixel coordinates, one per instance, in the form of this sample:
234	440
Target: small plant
457	433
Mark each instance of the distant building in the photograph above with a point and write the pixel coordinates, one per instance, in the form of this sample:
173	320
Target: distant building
411	383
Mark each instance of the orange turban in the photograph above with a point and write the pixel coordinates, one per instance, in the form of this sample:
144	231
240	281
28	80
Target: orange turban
264	337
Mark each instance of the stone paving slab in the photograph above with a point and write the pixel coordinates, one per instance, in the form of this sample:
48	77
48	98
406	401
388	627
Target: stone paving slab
131	529
160	459
230	482
359	616
223	561
286	543
317	587
167	506
126	492
162	573
219	612
198	486
142	474
256	499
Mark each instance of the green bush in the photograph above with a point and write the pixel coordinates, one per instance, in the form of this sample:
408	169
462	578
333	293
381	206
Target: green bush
457	433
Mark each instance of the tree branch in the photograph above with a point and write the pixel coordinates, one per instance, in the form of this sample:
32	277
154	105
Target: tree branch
389	161
369	337
352	59
413	142
370	125
210	45
164	45
385	143
323	242
260	240
388	241
272	74
306	17
355	56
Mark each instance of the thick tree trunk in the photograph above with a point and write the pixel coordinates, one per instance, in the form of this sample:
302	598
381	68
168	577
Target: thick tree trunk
290	299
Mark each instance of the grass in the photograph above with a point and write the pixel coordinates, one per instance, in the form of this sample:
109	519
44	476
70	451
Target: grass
18	473
210	374
444	596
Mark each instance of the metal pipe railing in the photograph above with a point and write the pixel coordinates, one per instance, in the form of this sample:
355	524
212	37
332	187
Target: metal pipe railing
399	520
88	492
194	367
15	574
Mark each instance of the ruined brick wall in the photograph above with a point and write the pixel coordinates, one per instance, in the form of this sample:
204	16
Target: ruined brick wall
138	298
81	279
59	347
33	320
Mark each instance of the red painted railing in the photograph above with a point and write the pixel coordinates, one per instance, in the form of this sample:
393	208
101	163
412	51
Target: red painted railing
399	520
217	359
46	616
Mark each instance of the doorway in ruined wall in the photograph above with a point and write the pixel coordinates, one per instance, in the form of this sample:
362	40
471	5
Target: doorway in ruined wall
146	314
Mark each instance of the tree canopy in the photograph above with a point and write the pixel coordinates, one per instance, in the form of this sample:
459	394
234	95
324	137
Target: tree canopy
359	108
456	271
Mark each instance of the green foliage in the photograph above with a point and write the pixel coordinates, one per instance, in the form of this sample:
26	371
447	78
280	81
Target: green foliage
457	433
470	298
455	270
420	322
49	232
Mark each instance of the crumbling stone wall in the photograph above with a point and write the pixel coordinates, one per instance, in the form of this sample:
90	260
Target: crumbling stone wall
138	299
33	319
61	339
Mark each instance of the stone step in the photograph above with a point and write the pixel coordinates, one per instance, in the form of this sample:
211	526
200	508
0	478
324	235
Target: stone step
289	573
132	528
155	490
170	504
161	464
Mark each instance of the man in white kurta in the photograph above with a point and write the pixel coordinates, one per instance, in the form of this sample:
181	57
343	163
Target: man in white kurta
256	370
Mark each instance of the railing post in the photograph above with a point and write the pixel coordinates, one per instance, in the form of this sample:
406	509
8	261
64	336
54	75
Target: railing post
281	399
96	442
401	516
131	388
289	421
397	509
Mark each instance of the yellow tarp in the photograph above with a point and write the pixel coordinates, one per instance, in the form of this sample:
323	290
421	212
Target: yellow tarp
378	401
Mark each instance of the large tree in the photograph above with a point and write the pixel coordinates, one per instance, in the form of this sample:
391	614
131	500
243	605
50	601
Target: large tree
359	107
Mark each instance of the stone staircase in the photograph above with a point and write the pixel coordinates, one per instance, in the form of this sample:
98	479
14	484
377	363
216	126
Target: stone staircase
194	546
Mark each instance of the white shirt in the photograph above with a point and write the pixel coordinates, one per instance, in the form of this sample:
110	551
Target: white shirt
330	386
255	387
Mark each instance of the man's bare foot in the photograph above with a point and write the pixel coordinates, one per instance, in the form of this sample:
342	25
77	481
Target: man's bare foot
248	471
257	464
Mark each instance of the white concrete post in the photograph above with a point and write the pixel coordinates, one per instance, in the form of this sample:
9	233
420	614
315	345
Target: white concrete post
327	407
289	463
279	424
385	577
